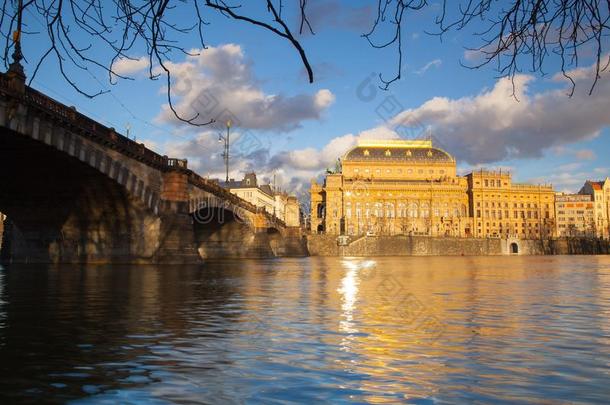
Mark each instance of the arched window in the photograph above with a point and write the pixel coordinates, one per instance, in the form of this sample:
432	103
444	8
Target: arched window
425	210
348	209
358	210
321	210
389	210
378	210
413	210
402	210
436	210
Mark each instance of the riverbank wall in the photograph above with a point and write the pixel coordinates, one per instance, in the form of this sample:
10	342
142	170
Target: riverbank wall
327	245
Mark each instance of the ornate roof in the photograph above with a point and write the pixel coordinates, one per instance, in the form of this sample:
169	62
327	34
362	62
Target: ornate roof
397	151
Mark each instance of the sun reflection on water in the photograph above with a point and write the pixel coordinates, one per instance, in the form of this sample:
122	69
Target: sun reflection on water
349	296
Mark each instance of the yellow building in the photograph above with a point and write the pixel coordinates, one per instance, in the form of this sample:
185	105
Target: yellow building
501	208
412	188
393	187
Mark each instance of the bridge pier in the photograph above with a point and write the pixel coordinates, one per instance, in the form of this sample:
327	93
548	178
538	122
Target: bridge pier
177	236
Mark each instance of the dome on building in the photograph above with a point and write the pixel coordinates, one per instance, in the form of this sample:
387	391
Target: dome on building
397	151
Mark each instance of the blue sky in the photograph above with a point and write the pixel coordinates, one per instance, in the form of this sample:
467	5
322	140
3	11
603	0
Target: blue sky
545	137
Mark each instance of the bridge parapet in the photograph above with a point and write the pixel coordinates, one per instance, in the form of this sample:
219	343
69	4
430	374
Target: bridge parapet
85	126
263	218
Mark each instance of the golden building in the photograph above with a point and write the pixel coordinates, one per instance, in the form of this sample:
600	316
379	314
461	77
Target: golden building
501	208
393	187
401	187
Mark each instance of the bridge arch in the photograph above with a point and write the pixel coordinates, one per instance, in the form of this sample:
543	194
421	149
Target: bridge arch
61	209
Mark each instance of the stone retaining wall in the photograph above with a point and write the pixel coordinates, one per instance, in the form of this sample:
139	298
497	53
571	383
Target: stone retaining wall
326	245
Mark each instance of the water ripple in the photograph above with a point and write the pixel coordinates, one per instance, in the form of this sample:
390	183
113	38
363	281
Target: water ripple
386	330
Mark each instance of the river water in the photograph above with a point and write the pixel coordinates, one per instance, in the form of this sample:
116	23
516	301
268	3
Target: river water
311	330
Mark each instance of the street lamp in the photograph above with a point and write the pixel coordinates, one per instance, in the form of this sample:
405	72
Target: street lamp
225	154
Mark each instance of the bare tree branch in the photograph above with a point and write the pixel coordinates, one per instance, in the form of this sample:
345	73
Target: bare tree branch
513	35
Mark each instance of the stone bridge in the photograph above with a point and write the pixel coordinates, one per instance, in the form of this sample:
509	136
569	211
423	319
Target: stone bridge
74	190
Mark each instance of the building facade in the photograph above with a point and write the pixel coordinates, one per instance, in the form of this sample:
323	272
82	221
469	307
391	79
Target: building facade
281	205
575	215
401	187
600	195
501	208
392	188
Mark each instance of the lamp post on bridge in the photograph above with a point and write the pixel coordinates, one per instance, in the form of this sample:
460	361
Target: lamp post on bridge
15	70
225	155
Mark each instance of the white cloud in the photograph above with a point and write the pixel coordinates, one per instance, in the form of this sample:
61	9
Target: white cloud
126	67
218	83
434	63
494	126
488	127
315	160
565	179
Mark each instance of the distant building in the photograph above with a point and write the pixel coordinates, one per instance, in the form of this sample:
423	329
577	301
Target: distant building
501	208
412	188
392	187
281	205
600	194
575	215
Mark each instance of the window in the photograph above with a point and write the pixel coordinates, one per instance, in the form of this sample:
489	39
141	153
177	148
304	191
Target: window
388	153
401	211
425	210
389	210
366	152
413	208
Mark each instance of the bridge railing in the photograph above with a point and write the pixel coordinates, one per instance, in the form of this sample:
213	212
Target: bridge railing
214	188
88	127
